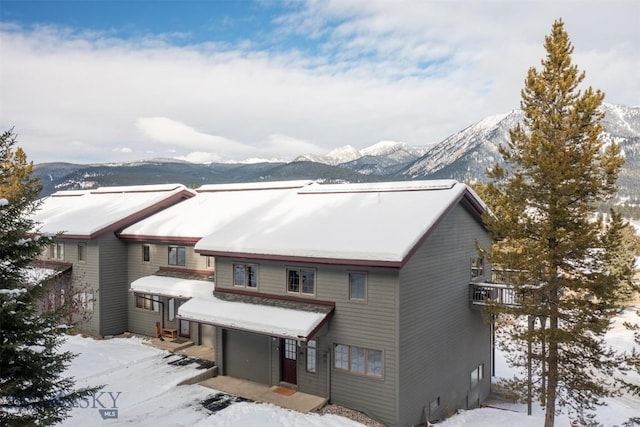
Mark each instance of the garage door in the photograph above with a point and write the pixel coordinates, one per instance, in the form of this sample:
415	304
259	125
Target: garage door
246	355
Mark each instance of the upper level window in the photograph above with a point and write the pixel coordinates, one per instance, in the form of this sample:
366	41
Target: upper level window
146	253
176	255
302	281
82	252
209	264
357	286
56	250
245	275
477	267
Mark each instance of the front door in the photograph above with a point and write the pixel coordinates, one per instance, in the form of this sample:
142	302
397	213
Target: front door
290	361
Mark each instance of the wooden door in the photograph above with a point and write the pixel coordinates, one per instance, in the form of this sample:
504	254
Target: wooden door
290	361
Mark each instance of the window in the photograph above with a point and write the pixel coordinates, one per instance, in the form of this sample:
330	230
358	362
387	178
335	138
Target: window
342	357
86	301
56	250
477	375
301	281
311	356
176	255
146	253
245	275
209	262
477	267
172	309
82	252
357	286
148	302
358	360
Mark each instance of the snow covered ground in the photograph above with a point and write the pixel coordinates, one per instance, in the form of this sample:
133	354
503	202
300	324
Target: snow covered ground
140	388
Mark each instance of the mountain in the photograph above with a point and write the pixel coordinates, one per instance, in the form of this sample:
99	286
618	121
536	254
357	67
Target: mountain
466	155
463	156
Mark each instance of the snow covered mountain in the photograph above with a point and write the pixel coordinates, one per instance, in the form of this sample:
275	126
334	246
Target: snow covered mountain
463	156
385	153
466	155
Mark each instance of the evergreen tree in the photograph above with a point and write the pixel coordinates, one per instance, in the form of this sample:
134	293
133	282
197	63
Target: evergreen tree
33	390
561	261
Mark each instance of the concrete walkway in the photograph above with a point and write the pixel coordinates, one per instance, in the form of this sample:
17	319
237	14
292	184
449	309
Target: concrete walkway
297	401
184	347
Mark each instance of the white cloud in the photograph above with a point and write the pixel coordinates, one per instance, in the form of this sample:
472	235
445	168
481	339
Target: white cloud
414	71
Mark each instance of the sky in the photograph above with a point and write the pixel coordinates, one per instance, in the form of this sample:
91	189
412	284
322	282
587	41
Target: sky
214	81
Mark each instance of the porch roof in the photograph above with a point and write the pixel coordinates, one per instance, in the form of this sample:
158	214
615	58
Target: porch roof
263	317
172	287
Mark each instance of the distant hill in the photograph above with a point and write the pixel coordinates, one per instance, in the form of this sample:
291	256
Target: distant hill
464	156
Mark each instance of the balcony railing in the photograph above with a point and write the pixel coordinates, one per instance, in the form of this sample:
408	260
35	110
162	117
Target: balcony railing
492	293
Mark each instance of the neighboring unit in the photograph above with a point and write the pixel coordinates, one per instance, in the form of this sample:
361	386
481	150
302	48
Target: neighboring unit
85	223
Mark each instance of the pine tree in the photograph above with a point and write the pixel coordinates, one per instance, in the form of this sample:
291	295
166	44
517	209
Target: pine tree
561	260
33	390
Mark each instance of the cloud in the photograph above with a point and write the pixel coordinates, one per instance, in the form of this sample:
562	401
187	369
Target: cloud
354	73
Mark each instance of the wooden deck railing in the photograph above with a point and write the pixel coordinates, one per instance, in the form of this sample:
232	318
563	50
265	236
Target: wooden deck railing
484	293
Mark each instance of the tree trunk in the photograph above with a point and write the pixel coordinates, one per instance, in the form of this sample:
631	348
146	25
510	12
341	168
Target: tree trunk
552	369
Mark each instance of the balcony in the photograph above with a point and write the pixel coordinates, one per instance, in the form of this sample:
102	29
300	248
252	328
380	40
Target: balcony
481	294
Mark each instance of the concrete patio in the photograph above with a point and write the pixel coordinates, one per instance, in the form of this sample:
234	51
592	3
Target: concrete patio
298	401
182	346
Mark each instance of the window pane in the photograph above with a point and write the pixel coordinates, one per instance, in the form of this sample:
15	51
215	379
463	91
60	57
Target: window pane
81	252
357	285
156	305
238	274
342	356
374	363
308	281
181	257
357	360
173	256
311	356
293	281
252	276
60	251
146	253
172	309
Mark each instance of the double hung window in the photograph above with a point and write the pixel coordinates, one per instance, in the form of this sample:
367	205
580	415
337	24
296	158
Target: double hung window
177	255
301	281
245	275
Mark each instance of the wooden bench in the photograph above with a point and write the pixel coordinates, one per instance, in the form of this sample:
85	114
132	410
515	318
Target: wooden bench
170	333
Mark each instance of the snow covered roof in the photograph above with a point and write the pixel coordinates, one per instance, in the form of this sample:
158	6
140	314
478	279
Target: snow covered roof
172	287
263	319
367	224
89	213
212	208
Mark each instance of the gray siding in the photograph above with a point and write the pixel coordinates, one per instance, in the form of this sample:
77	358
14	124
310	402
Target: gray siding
441	338
372	324
113	285
142	321
85	278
